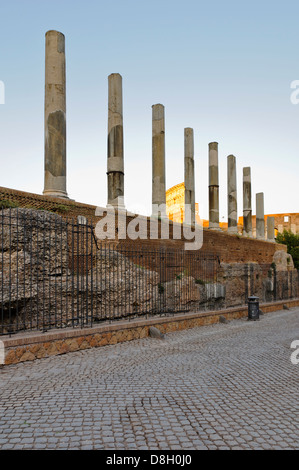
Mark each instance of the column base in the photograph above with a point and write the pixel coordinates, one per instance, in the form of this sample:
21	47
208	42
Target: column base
59	194
233	231
116	208
117	204
160	217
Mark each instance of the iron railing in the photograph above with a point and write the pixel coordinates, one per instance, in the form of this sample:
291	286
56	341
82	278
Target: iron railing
54	273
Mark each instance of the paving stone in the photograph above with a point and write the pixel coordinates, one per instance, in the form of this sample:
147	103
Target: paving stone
205	388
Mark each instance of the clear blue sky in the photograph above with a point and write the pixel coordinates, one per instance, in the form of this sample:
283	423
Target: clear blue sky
222	68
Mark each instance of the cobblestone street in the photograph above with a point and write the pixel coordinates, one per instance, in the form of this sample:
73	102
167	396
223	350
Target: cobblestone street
226	386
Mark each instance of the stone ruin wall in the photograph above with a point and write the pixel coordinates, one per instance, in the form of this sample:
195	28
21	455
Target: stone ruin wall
229	248
245	267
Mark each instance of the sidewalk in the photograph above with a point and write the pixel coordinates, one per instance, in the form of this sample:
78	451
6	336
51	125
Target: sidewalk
223	386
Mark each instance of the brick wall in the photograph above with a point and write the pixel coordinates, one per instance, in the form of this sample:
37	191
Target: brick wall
229	248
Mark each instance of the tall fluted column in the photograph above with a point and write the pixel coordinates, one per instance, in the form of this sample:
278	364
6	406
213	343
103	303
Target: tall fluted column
189	176
247	204
213	187
115	160
158	159
260	216
55	116
232	194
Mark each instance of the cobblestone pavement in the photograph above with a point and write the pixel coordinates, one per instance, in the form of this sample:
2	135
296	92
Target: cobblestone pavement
227	386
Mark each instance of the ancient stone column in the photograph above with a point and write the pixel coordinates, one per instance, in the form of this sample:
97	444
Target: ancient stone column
247	205
158	159
271	229
115	157
232	194
189	176
213	187
55	116
260	217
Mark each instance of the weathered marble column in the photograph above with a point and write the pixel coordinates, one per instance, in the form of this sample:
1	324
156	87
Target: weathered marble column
115	157
260	217
158	158
271	229
189	176
213	187
232	194
247	204
55	116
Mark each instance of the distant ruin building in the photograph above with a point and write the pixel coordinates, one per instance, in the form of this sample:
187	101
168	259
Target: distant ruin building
287	221
175	209
175	204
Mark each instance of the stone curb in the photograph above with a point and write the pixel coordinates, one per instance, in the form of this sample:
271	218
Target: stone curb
30	346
